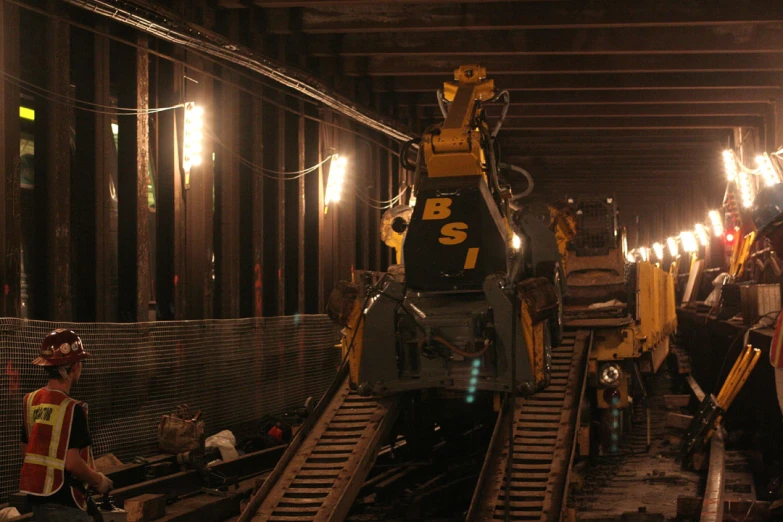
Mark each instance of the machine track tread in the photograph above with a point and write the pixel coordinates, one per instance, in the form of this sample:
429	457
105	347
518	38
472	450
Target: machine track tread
544	432
322	480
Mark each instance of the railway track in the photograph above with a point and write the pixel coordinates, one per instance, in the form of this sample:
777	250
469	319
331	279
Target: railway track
323	477
324	474
544	431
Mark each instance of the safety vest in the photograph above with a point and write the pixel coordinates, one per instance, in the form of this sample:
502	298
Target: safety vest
48	415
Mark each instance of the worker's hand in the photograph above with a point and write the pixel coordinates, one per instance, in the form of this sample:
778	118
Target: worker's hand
105	486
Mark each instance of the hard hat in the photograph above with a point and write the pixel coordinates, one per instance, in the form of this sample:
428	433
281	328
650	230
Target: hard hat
768	208
62	347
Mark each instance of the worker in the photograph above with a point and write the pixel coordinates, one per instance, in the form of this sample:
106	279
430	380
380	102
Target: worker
55	439
768	218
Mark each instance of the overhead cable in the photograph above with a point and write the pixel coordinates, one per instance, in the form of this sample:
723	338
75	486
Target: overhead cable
138	14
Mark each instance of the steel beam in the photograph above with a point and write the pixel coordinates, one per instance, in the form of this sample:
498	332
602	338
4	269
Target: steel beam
10	196
170	206
777	122
762	37
199	223
652	109
281	202
133	179
670	122
57	161
88	159
227	202
629	97
398	17
302	213
326	249
253	232
654	150
318	3
595	82
105	164
560	64
257	218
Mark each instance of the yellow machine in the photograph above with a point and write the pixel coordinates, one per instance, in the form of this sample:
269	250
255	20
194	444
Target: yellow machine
471	304
629	307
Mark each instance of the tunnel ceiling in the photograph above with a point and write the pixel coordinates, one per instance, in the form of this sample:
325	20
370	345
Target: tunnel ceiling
635	99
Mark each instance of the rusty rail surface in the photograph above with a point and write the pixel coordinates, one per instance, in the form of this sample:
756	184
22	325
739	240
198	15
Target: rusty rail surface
712	506
544	432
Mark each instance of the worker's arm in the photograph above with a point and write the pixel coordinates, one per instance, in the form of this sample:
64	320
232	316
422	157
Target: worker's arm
74	463
23	449
76	466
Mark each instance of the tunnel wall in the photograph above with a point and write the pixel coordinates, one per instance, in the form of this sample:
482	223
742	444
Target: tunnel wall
234	371
101	221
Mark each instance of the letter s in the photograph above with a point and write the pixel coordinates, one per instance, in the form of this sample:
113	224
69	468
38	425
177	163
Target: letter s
452	233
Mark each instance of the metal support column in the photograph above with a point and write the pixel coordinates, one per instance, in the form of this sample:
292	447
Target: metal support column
227	203
133	181
10	197
301	214
257	208
325	243
170	237
281	208
57	154
199	200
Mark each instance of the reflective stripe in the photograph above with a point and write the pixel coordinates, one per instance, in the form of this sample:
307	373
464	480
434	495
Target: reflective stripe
30	397
44	461
54	443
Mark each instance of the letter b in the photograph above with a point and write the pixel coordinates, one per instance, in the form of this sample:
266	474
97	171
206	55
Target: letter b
436	208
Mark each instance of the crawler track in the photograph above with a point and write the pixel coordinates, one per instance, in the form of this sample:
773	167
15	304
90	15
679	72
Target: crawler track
322	480
544	432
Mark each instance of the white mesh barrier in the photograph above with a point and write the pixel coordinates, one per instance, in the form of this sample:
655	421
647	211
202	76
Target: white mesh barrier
235	371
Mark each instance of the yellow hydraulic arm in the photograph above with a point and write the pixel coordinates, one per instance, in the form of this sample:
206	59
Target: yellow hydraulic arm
454	149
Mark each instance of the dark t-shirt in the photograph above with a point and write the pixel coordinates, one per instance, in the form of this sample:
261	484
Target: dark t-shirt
80	438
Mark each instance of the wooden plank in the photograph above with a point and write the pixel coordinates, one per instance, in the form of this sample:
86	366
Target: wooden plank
675	402
697	391
678	420
145	508
10	196
733	511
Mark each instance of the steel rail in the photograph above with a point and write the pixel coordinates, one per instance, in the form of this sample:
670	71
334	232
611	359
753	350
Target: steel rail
544	432
142	16
712	505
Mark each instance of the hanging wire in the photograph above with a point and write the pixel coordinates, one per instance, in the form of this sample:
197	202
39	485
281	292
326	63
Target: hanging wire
61	99
261	82
362	196
377	204
267	173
